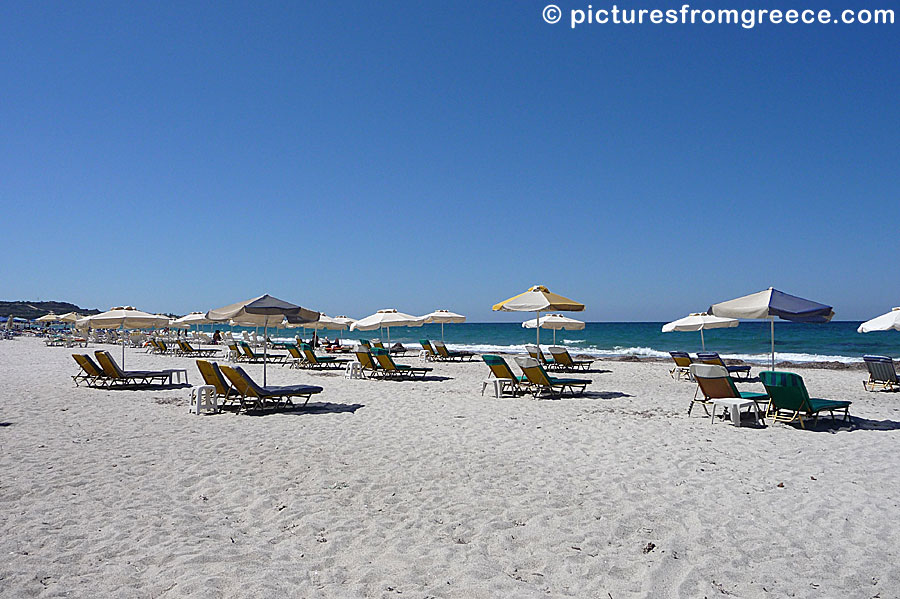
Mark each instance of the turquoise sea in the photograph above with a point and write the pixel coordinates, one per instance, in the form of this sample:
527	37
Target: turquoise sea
834	341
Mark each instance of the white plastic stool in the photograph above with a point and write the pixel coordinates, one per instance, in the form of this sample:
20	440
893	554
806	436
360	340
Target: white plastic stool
498	386
203	400
354	371
423	354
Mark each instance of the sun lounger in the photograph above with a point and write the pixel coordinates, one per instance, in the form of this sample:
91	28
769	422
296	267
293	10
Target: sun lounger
255	358
397	371
188	350
541	382
213	376
682	368
882	372
365	343
430	354
501	371
536	354
564	361
452	354
369	364
714	382
311	360
789	400
713	358
134	377
254	396
90	374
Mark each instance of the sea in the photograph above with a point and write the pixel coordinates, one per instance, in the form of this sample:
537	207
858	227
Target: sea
750	341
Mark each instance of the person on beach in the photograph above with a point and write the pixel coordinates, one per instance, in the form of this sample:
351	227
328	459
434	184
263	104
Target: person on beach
217	337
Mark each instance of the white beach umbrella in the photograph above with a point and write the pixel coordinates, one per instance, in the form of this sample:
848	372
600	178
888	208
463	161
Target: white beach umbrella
385	319
885	322
324	322
444	316
538	299
48	318
126	317
265	311
193	318
698	321
554	322
70	317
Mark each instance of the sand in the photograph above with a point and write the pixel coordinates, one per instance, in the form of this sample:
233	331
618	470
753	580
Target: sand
428	489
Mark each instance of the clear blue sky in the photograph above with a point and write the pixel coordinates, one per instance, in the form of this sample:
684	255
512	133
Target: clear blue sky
350	156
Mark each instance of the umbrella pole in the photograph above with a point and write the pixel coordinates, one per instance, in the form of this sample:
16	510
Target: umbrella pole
772	327
554	336
538	329
442	331
123	348
265	350
702	340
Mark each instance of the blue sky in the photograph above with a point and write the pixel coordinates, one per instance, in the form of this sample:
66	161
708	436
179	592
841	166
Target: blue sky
353	156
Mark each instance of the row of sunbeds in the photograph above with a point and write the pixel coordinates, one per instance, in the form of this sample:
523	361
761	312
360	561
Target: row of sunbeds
534	380
178	348
683	362
106	373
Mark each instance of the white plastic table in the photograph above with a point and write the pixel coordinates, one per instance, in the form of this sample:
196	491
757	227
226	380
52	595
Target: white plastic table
735	405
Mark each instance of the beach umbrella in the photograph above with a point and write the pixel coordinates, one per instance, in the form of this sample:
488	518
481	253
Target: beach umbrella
885	322
698	321
771	304
48	318
70	317
555	322
344	320
538	299
9	322
192	319
386	319
265	311
324	322
444	316
126	317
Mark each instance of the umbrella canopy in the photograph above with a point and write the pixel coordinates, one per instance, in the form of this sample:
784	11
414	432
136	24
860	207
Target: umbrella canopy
386	319
444	316
345	320
126	317
324	322
771	304
193	318
264	311
698	321
885	322
70	317
538	299
556	322
48	318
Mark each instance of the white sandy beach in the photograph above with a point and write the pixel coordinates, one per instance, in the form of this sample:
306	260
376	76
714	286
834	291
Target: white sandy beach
428	489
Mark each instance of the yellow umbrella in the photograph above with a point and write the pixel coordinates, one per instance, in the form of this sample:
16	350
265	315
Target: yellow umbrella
538	299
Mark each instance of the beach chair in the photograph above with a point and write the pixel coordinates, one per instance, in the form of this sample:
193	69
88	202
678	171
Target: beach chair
397	371
90	374
713	358
365	343
252	395
311	360
430	354
452	354
564	361
500	371
213	376
682	368
881	372
255	358
369	364
131	377
541	382
188	350
234	353
536	354
714	382
789	400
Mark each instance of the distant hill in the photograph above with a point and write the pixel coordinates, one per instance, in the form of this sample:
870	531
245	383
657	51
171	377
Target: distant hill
32	310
